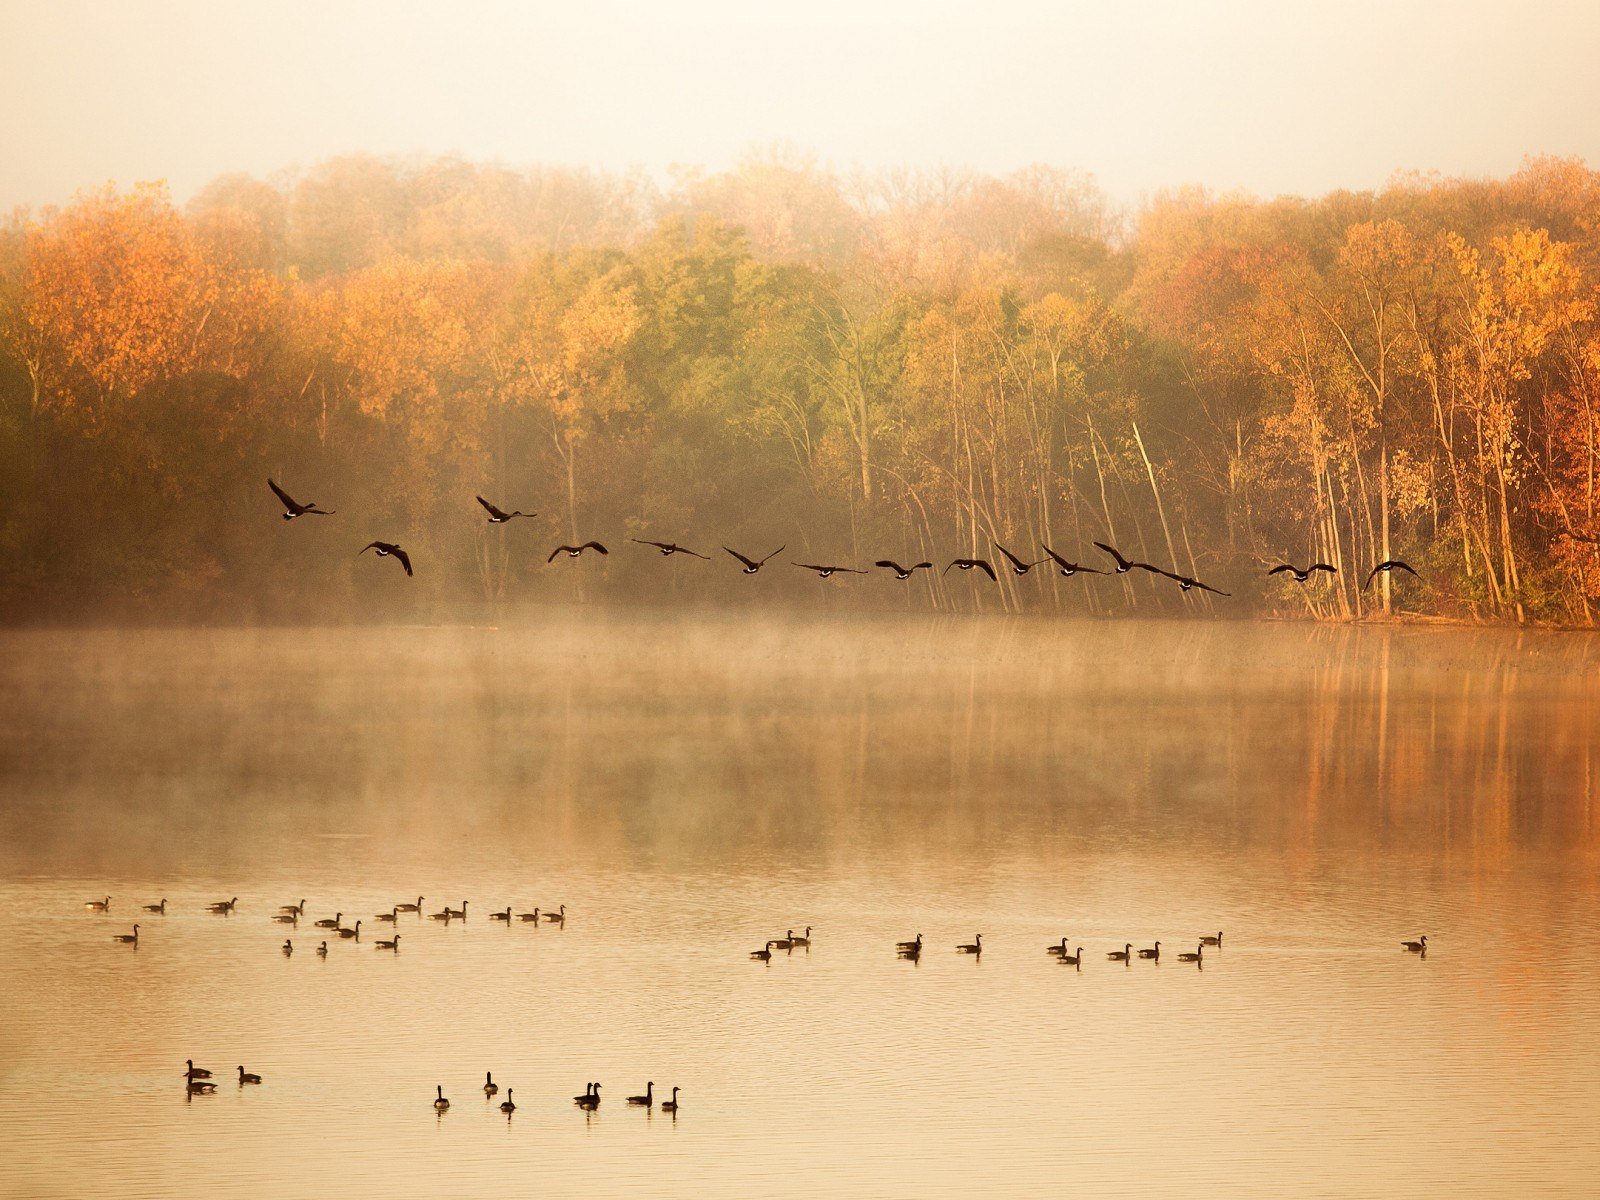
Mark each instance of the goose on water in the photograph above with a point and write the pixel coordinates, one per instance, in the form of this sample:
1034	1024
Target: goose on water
195	1072
247	1077
322	950
501	916
648	1099
764	953
298	910
393	944
559	917
1417	947
1152	952
1199	950
1073	960
490	1087
127	938
288	947
350	933
1212	941
417	907
159	909
325	923
801	941
1122	955
391	916
222	906
98	905
439	1101
505	1105
975	946
671	1106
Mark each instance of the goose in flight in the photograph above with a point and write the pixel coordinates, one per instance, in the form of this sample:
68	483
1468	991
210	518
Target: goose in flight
386	549
751	565
902	572
1299	575
499	517
824	572
574	551
668	549
967	564
1185	583
1386	567
1125	565
1018	567
1069	569
293	509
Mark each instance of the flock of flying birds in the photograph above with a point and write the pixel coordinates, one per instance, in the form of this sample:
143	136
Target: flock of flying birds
749	566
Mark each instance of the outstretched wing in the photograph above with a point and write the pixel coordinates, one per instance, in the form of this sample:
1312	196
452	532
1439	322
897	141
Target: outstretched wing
890	563
1400	566
1370	575
492	510
1279	570
1331	570
657	545
556	551
1206	587
1015	561
594	546
405	559
983	565
371	546
695	553
747	562
811	567
288	501
1112	550
1055	558
779	550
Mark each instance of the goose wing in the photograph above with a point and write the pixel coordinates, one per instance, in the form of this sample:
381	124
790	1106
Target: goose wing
1281	568
491	509
1112	550
558	550
667	546
1015	561
596	546
778	551
288	500
1331	570
746	561
405	559
384	546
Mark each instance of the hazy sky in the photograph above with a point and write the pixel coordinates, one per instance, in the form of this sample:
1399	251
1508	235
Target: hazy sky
1273	97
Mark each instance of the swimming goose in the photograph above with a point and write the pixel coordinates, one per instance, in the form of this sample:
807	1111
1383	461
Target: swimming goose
440	1102
1416	947
199	1087
1195	957
298	910
389	945
801	941
157	908
1153	952
1073	960
222	906
533	916
322	950
441	916
763	954
288	947
391	916
501	916
1212	941
247	1077
671	1106
98	905
505	1105
333	924
490	1087
914	944
459	914
559	916
973	947
590	1099
286	919
786	942
1125	953
648	1099
416	908
1058	951
350	933
195	1072
131	939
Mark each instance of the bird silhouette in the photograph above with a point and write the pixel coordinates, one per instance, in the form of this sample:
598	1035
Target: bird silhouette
1070	569
1299	575
967	564
497	517
1184	582
388	549
574	551
824	572
668	549
292	509
1125	565
1388	565
1018	567
751	565
902	572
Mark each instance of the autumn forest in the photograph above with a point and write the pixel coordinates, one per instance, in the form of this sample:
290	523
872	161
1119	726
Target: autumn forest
906	364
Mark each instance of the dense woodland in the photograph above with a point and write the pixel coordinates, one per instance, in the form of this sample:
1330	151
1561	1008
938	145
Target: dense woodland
908	365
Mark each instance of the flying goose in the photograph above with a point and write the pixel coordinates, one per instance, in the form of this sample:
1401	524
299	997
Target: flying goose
385	549
440	1102
1125	565
98	905
574	551
247	1077
1195	957
752	565
668	549
130	939
1386	567
1018	567
497	517
973	947
291	510
1420	946
1185	583
903	572
1299	575
159	909
967	564
648	1099
392	944
1069	569
1122	955
824	572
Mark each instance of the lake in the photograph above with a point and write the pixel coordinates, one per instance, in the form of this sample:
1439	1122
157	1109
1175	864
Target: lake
691	786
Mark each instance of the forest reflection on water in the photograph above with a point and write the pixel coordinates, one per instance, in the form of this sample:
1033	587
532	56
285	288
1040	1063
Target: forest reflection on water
691	785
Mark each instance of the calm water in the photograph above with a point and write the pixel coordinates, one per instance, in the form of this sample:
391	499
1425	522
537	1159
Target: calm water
689	788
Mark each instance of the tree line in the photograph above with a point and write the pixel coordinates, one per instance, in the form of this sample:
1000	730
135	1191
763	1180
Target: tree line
904	364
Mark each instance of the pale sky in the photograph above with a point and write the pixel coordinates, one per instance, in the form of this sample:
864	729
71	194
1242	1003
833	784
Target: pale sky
1276	97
